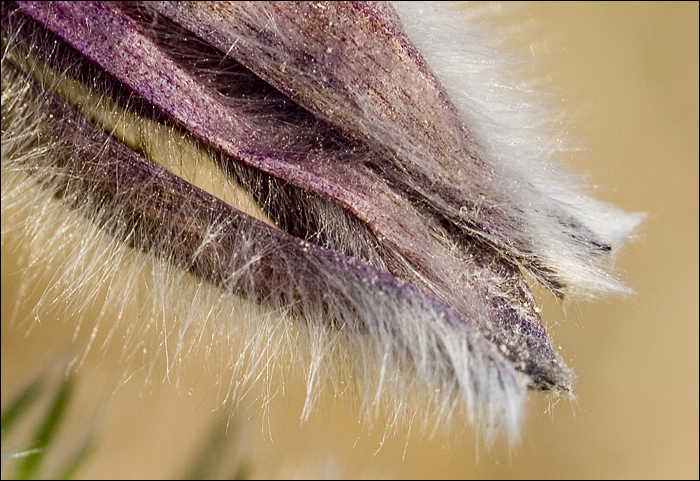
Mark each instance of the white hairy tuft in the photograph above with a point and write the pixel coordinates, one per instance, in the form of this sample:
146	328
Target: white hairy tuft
519	132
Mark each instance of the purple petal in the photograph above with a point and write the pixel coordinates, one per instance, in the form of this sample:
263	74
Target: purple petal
144	205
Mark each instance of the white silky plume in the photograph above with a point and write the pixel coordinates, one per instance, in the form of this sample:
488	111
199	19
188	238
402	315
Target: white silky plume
519	133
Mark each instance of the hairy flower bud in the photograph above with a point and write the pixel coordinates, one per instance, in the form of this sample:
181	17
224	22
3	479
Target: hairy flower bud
391	218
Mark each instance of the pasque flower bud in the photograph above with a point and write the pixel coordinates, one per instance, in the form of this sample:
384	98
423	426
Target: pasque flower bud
400	217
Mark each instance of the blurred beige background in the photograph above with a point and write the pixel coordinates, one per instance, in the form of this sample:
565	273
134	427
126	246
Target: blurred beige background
629	72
